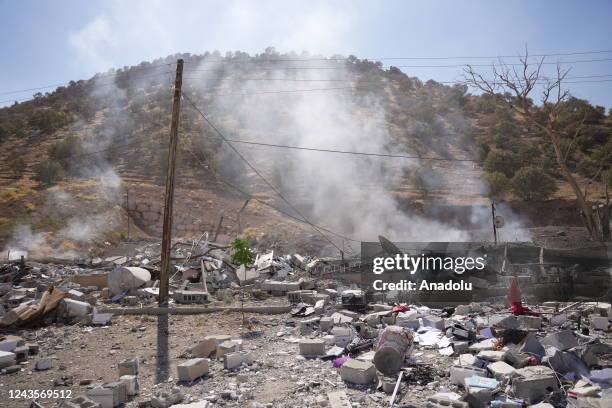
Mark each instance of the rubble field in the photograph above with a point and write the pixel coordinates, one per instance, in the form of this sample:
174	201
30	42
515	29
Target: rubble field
287	331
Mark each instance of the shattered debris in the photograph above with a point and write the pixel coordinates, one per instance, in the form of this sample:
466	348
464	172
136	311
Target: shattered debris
335	344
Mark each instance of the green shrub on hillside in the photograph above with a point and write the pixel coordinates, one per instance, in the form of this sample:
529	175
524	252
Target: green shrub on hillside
499	184
502	161
48	172
533	184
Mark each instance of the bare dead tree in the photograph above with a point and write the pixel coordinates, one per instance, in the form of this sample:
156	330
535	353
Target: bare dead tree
515	87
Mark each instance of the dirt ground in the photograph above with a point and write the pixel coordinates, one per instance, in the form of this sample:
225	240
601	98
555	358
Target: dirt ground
278	378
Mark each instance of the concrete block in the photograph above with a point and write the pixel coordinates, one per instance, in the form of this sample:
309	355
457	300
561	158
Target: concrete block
433	321
33	348
491	355
128	367
326	324
458	374
339	318
131	383
444	402
466	360
80	401
358	372
342	335
202	349
605	309
205	348
231	361
192	369
563	340
120	394
478	397
460	347
75	308
21	353
308	326
530	322
312	347
504	321
500	370
44	364
600	322
228	346
462	310
106	397
7	359
10	343
533	383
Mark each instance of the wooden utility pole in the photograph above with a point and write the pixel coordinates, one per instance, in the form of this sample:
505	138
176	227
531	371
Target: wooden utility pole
169	197
493	220
127	209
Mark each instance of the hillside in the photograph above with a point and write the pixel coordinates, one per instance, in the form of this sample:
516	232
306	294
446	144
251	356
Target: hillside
73	160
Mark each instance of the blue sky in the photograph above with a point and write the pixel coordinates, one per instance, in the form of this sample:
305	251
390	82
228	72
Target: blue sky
48	42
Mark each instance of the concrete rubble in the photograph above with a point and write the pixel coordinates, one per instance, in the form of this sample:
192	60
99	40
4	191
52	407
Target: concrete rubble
304	332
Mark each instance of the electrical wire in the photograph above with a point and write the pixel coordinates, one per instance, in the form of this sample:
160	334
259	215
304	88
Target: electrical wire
254	169
313	149
255	198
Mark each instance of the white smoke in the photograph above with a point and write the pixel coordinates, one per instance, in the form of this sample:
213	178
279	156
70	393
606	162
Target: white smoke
348	193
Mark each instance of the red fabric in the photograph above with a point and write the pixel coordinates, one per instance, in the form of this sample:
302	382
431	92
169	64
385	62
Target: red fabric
514	298
514	293
518	309
400	309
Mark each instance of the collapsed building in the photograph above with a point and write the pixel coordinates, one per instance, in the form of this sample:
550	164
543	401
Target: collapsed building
375	349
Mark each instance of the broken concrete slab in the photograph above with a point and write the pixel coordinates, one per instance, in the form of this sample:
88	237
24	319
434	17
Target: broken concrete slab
563	340
208	347
504	321
530	322
339	399
532	345
7	359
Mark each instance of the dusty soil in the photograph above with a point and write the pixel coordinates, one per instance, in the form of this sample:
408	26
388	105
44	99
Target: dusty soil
279	376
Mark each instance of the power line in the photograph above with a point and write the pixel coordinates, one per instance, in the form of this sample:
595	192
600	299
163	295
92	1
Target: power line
255	198
356	79
267	60
313	149
338	66
96	76
253	168
95	84
264	59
